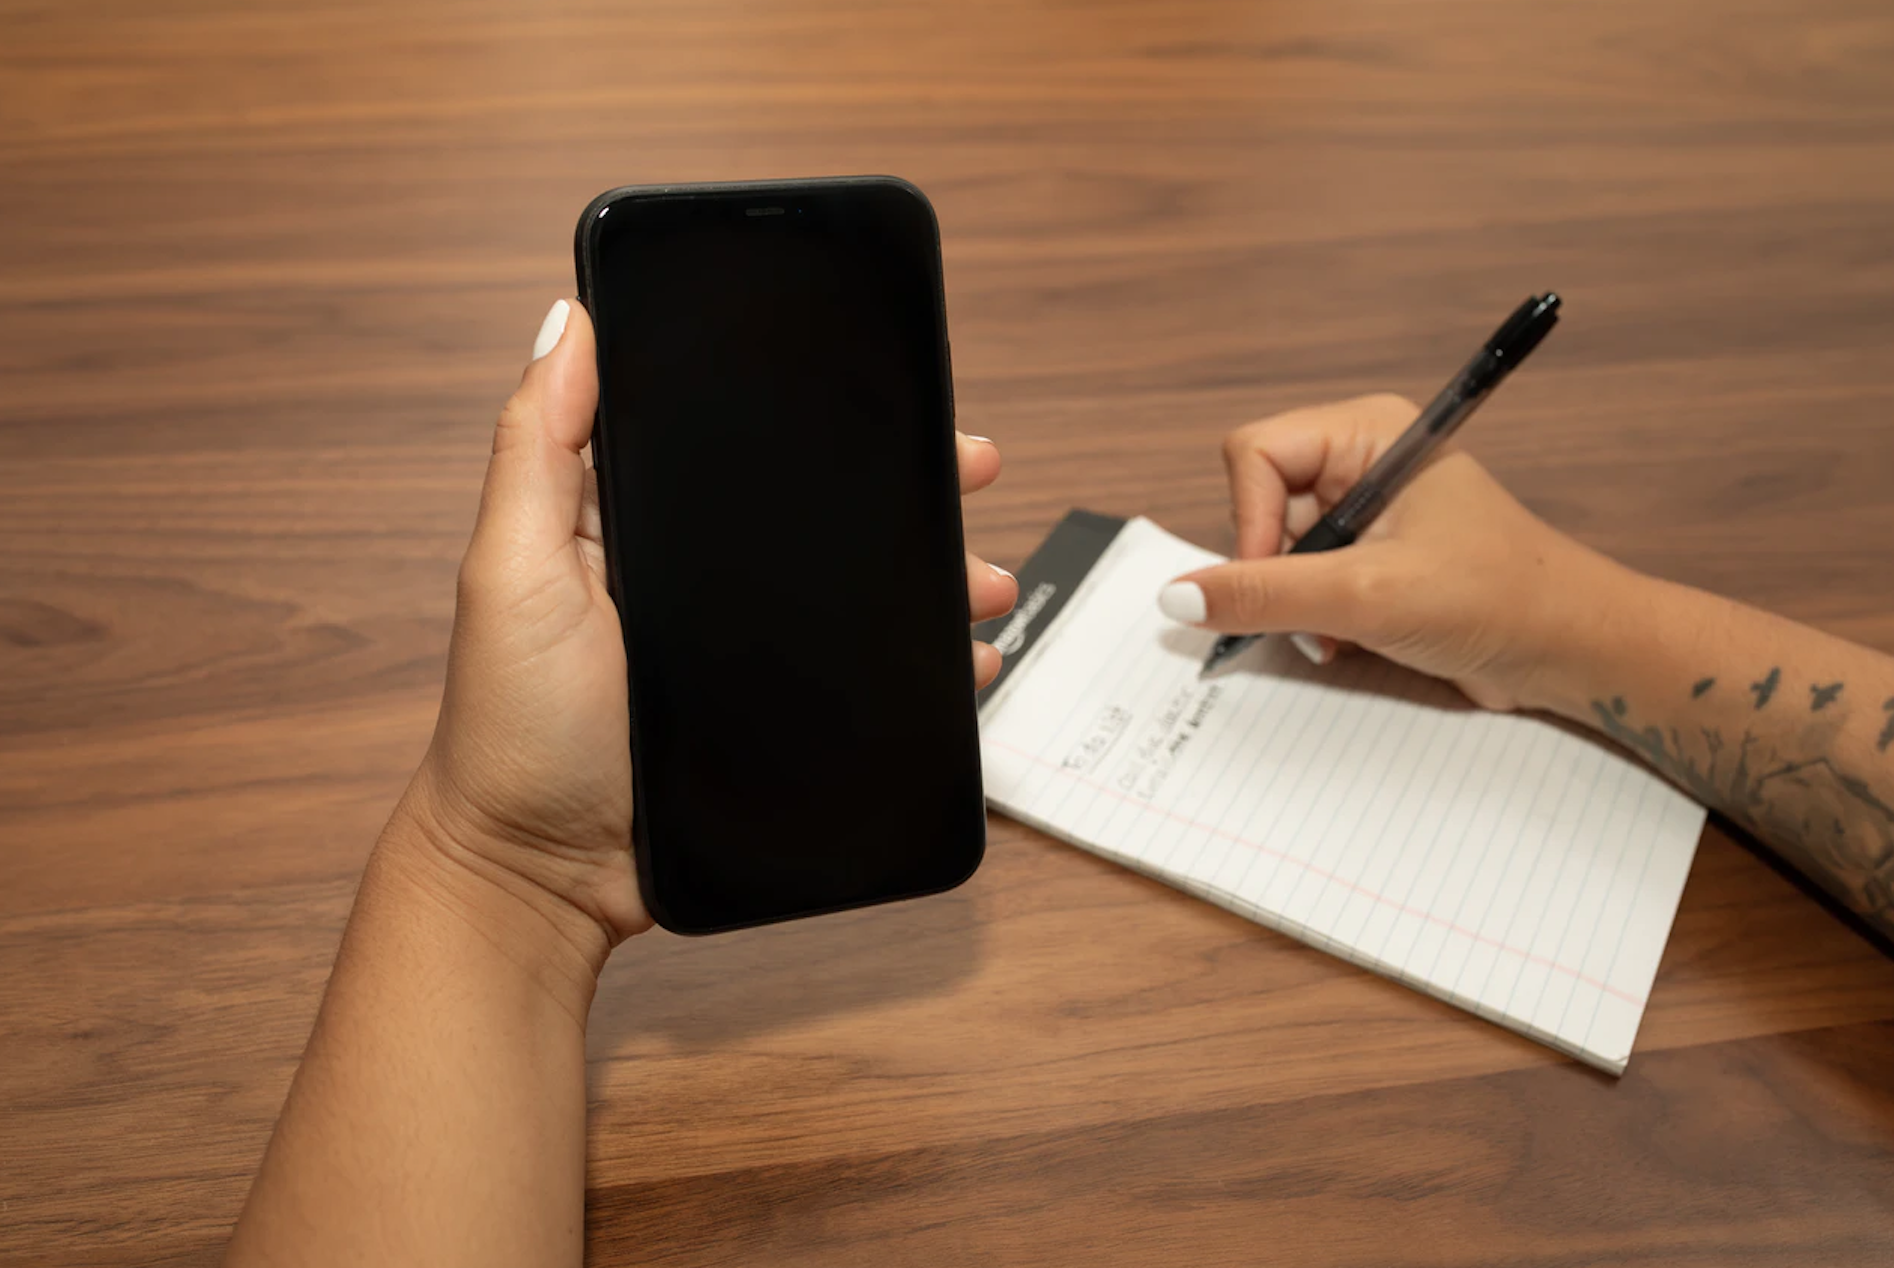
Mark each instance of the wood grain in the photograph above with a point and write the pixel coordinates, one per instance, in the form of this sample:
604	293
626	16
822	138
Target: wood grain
267	270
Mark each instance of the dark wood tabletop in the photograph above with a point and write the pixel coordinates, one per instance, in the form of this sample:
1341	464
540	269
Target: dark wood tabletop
268	269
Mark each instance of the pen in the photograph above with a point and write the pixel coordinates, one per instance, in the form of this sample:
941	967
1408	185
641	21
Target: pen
1517	336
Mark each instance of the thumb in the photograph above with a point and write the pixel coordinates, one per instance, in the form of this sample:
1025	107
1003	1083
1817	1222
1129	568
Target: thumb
529	505
1285	594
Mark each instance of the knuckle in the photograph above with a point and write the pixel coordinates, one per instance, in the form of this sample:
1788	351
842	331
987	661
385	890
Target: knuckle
513	425
1384	411
1369	589
1240	442
485	581
1381	598
1248	594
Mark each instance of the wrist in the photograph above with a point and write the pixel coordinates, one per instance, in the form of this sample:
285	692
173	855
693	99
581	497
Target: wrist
1607	628
484	882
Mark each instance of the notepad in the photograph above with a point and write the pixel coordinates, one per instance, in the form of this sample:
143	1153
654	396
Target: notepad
1521	870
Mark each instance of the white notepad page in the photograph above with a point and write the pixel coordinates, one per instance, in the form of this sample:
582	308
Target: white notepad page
1522	871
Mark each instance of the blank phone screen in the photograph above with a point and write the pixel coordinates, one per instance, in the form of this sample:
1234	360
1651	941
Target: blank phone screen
777	467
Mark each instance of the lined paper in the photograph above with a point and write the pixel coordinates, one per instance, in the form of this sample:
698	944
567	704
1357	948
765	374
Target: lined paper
1524	872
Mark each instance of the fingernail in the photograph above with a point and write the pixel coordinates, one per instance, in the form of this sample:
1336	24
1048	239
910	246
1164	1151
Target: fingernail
1311	646
1182	601
977	439
551	328
1002	572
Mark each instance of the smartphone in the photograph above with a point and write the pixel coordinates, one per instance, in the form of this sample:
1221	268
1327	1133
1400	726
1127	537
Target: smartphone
779	490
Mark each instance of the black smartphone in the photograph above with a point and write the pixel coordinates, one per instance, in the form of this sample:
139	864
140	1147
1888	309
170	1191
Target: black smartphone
779	487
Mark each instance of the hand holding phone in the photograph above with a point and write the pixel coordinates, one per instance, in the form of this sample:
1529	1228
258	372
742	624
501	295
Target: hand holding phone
528	777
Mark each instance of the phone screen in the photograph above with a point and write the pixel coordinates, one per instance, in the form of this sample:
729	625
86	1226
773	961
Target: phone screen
778	473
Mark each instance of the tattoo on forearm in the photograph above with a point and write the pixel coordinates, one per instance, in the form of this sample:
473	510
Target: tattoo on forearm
1703	685
1836	825
1766	688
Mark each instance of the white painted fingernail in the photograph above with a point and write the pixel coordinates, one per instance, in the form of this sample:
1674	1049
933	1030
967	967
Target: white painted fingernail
1182	601
1002	572
551	328
1311	646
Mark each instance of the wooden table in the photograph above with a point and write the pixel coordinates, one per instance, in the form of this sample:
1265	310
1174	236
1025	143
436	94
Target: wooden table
267	270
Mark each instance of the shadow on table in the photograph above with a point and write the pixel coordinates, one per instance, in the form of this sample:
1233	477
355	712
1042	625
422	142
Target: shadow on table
706	992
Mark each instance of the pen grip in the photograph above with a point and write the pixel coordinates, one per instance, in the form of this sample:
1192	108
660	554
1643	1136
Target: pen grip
1326	535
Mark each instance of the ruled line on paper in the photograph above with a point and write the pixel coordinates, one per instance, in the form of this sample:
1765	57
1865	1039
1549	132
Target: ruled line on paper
1323	874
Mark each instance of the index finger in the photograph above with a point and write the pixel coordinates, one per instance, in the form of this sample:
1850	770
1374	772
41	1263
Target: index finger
1322	450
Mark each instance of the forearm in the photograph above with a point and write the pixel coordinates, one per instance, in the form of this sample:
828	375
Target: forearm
1782	728
439	1113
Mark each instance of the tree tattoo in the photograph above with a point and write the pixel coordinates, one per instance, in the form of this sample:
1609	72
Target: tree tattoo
1834	824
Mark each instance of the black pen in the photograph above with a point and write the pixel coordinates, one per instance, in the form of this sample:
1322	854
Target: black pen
1497	358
